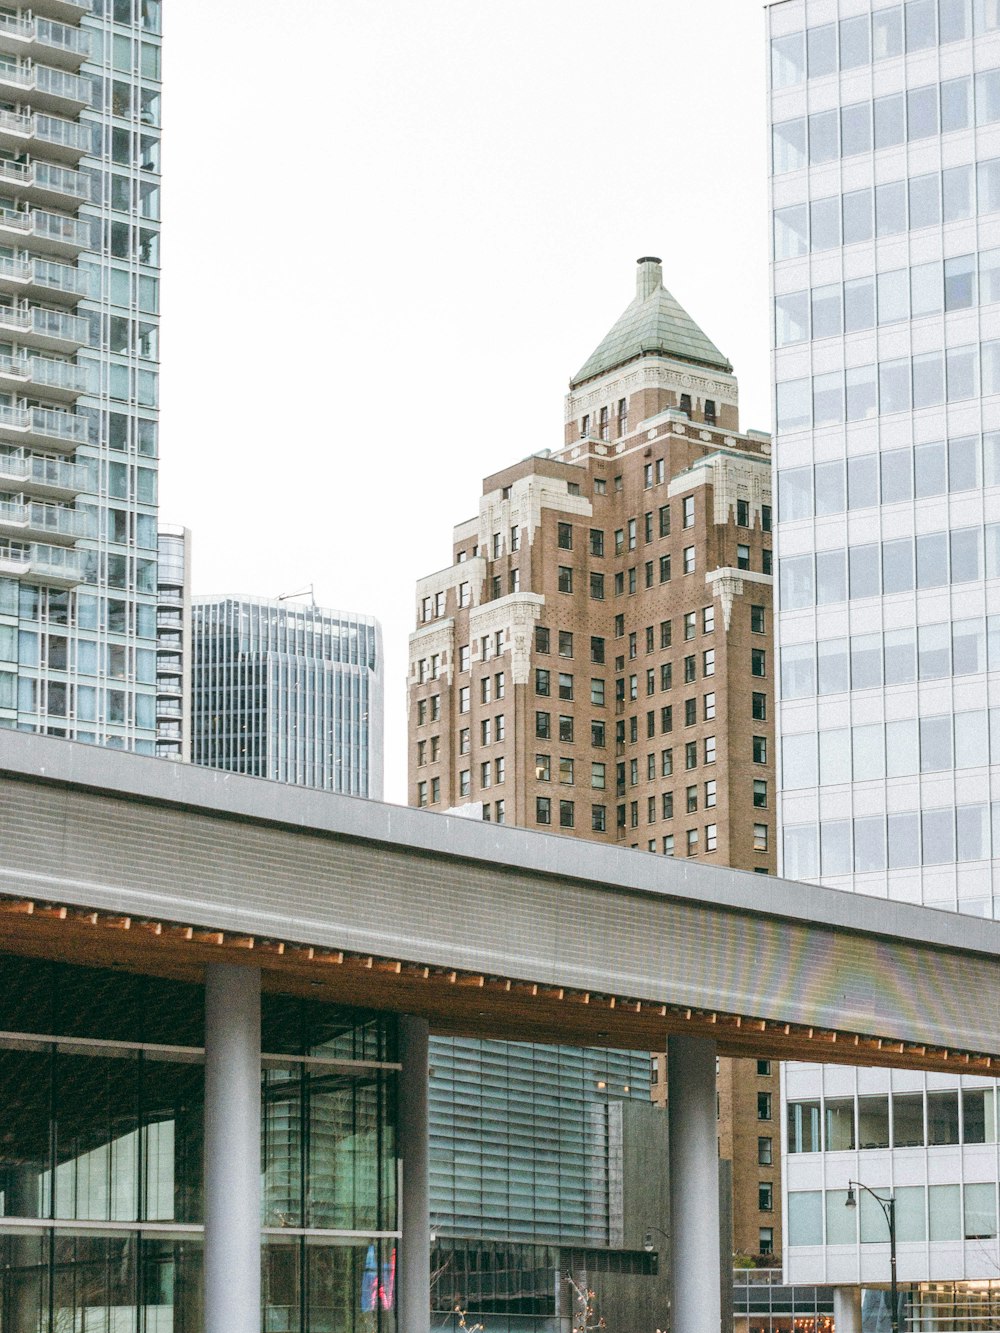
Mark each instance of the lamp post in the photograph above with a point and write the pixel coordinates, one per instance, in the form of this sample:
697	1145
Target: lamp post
648	1244
888	1206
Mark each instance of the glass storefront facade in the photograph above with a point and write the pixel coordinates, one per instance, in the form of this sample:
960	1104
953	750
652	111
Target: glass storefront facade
101	1157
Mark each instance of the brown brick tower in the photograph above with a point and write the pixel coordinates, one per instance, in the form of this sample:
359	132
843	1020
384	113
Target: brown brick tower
597	659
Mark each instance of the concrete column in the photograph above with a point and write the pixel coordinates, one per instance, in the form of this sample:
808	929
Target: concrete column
695	1258
232	1149
413	1274
847	1309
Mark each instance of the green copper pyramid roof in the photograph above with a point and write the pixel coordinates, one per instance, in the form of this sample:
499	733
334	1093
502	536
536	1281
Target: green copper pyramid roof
655	324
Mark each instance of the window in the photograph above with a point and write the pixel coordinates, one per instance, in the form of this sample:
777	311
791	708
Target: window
766	1240
486	690
566	776
514	581
668	844
742	557
758	708
633	687
486	774
664	512
497	586
690	712
691	754
664	568
760	794
760	749
564	537
710	793
648	527
515	538
690	624
619	540
603	420
597	587
651	812
622	416
501	810
465	782
464	699
464	657
598	818
596	649
543	810
421	793
708	702
665	634
692	842
667	805
543	681
543	726
565	727
435	791
765	1197
711	837
464	741
760	837
598	776
691	800
501	684
486	731
421	753
435	702
565	685
585	426
765	1152
597	541
765	518
631	581
543	768
542	639
766	561
709	749
690	669
650	680
710	417
619	584
465	594
633	814
565	643
597	693
597	734
421	712
708	620
667	718
687	519
758	662
763	1068
565	578
497	546
689	560
666	763
763	1106
666	675
742	513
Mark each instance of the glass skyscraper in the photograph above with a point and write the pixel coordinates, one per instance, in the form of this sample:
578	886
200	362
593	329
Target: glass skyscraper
288	692
79	296
885	193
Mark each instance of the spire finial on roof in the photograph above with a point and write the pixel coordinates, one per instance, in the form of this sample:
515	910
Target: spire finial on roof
649	276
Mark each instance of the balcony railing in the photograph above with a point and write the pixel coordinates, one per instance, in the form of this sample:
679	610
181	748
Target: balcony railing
56	563
44	422
54	473
58	324
54	519
62	375
71	134
52	227
72	41
59	180
26	270
171	687
57	83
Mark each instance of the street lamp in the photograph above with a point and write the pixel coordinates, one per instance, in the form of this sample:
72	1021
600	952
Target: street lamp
648	1244
888	1206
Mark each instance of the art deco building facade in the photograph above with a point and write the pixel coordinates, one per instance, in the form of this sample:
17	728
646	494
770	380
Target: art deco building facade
886	276
287	692
79	296
596	661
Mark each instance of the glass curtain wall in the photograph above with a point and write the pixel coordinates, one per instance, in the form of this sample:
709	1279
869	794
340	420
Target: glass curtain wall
101	1122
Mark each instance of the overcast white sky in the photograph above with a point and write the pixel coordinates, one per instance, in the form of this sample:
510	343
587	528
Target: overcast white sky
394	228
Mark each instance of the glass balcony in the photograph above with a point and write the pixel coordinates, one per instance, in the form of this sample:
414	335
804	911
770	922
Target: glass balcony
38	326
47	88
43	40
35	474
171	687
51	522
42	426
46	183
50	233
169	708
62	380
169	620
63	140
57	565
23	275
